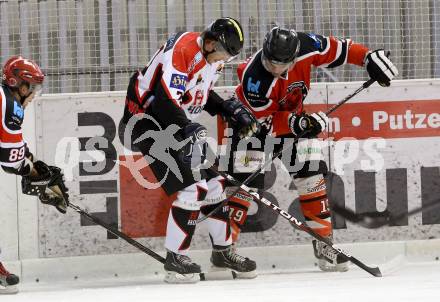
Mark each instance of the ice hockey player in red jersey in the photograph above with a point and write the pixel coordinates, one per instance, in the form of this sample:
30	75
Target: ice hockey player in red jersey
273	84
172	90
22	80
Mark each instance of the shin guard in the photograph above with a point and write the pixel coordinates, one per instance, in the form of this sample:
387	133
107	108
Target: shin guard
218	224
238	210
180	229
183	216
314	204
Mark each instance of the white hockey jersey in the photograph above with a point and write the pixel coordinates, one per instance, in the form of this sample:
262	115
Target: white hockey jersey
178	72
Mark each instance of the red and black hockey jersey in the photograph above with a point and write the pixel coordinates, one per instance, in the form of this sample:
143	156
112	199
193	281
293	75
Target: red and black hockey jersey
12	145
272	99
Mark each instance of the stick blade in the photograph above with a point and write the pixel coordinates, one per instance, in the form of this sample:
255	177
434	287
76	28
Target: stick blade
375	271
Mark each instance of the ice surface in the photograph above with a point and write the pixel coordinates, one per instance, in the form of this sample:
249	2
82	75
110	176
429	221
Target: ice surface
402	282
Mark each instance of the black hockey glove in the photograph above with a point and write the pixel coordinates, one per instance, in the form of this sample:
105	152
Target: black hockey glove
241	118
380	67
314	123
48	186
194	151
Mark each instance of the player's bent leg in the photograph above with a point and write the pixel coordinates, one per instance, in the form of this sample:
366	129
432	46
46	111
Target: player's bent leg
8	281
180	229
223	255
314	205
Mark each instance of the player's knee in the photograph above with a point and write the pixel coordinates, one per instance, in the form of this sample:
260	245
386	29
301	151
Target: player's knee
216	191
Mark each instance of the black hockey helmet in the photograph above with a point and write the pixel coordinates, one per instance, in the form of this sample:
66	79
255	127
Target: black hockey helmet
281	46
228	32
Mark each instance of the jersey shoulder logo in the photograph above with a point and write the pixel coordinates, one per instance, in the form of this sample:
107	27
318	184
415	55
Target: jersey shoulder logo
18	110
317	42
253	87
14	114
178	81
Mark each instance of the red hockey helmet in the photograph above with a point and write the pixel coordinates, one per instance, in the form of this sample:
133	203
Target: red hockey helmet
18	70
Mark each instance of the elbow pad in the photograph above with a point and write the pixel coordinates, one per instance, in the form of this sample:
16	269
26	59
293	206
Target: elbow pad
23	168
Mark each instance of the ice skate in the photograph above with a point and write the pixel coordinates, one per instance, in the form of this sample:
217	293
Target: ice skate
180	269
8	281
328	259
227	258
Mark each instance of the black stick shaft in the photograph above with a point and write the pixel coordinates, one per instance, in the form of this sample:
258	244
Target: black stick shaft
380	219
118	233
136	244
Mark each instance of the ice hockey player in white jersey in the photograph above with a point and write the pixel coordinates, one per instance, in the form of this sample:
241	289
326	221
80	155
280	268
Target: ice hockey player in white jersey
173	89
21	82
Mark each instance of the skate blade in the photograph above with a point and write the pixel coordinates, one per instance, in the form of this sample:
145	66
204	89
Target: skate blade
326	267
246	275
8	290
175	278
235	274
218	274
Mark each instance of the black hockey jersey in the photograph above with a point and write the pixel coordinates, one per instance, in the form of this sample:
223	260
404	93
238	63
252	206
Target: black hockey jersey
12	145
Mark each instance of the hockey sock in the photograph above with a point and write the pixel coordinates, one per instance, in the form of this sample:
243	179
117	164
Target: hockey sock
314	203
238	210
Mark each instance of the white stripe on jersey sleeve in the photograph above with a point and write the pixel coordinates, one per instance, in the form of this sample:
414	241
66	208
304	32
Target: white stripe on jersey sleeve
339	53
12	145
15	164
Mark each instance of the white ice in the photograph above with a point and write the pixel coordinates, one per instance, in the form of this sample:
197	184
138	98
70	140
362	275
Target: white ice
402	282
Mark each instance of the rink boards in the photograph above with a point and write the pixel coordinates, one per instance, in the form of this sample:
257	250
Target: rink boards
384	153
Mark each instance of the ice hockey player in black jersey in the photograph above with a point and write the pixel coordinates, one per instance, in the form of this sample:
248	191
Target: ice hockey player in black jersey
22	80
274	83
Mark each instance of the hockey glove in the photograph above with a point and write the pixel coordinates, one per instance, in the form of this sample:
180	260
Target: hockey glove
241	118
380	67
194	151
314	123
48	186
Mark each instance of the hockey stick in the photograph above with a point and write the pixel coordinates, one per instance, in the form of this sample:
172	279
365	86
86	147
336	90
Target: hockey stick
130	240
267	163
375	271
373	220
